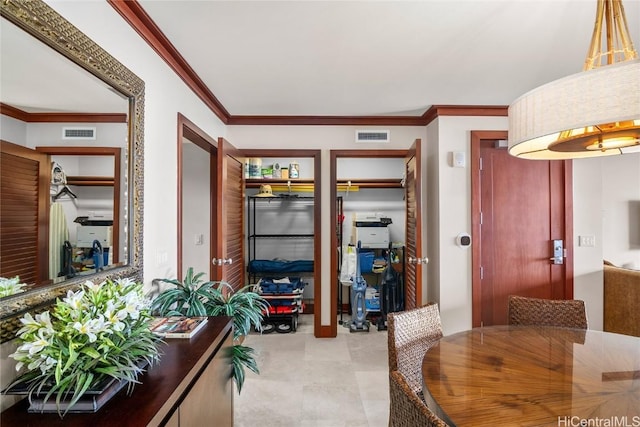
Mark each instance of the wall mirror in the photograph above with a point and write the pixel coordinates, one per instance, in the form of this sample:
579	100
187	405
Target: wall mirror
102	86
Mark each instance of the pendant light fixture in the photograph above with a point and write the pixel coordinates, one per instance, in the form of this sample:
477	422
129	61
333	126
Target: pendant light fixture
593	113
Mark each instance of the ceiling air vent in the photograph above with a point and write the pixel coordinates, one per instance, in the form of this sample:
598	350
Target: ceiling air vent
372	136
76	133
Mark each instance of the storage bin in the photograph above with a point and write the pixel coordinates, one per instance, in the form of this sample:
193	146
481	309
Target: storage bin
366	261
372	299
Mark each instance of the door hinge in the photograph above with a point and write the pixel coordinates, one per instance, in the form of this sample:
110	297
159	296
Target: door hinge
480	218
481	272
480	163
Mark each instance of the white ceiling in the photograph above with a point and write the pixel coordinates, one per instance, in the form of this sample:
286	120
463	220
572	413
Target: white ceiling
351	58
377	57
35	78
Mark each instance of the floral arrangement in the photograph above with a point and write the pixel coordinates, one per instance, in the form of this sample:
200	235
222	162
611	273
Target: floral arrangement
96	333
11	286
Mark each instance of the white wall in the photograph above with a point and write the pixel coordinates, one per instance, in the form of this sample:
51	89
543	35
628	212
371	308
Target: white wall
196	209
621	210
606	195
388	202
165	96
324	138
89	198
13	130
606	191
449	211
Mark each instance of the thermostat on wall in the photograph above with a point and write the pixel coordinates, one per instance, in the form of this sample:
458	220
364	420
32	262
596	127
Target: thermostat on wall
463	240
459	159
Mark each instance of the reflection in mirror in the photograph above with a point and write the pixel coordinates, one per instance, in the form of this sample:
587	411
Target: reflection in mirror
85	201
107	102
63	91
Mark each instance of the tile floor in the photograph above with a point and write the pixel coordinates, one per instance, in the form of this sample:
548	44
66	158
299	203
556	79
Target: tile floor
307	381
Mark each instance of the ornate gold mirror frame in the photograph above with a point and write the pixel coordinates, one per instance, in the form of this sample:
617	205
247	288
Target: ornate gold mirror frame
41	21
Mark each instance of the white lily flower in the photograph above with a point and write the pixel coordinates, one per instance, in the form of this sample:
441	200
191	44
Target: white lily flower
44	320
99	324
11	286
33	365
85	328
36	346
48	365
92	286
113	318
92	311
74	299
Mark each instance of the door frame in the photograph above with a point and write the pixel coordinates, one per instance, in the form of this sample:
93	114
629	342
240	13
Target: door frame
189	130
316	156
476	297
332	331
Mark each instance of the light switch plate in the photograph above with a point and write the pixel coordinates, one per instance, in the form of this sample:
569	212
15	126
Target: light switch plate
587	241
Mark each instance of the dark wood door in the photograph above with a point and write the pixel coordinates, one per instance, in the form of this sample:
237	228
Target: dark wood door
413	240
519	208
24	213
229	213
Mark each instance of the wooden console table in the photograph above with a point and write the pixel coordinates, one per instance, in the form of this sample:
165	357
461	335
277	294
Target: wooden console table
191	386
533	376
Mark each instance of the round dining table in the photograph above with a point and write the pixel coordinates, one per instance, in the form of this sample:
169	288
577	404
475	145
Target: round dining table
534	376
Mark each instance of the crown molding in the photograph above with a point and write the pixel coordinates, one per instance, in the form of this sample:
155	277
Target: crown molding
141	22
327	120
463	110
25	116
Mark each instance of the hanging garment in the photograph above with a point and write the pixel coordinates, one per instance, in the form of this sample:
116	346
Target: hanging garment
348	270
58	234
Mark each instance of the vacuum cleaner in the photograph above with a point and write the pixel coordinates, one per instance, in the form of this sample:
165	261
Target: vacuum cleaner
390	284
358	288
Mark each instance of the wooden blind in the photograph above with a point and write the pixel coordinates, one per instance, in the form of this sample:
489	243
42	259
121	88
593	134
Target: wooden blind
21	212
410	249
234	273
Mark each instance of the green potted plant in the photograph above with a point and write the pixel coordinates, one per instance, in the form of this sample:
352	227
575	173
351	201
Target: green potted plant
95	339
195	297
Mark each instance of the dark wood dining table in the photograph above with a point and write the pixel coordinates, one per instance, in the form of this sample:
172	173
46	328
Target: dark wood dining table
534	376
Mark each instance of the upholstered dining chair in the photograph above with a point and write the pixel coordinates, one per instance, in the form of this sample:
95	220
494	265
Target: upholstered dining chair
547	312
410	334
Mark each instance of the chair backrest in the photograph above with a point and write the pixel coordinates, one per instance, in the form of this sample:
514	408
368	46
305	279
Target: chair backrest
547	312
410	334
407	409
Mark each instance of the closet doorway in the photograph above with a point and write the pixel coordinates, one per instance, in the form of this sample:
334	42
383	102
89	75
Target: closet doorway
411	239
210	205
311	184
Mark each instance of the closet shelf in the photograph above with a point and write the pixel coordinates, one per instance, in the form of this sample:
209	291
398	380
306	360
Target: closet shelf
343	184
282	236
91	181
373	183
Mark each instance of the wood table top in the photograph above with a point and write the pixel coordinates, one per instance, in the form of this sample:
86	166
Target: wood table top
534	376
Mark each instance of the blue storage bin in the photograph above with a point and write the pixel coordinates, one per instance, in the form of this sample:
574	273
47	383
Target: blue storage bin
366	261
372	304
